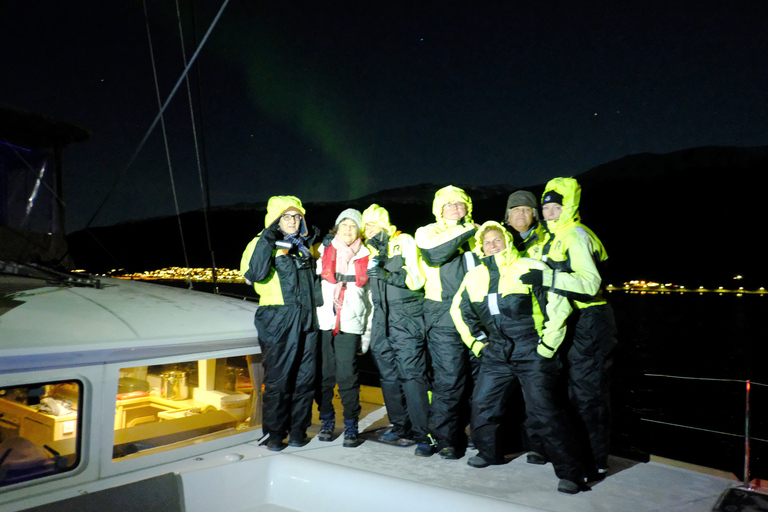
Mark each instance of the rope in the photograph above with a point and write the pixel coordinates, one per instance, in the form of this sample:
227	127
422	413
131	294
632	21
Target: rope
157	117
704	378
703	429
744	436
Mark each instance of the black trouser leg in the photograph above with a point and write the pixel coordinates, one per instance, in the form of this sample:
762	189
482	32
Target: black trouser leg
590	359
391	389
345	347
279	335
495	383
448	411
303	393
538	379
411	360
327	374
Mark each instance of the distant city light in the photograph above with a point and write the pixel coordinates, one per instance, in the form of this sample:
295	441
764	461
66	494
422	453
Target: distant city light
186	274
225	275
639	286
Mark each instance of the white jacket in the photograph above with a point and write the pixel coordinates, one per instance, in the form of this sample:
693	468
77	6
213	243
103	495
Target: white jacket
357	309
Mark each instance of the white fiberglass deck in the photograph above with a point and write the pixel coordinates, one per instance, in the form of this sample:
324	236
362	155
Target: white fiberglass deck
381	477
374	476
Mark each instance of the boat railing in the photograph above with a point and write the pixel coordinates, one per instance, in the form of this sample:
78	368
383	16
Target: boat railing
747	435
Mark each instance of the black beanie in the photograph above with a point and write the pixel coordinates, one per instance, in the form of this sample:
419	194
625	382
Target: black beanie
552	197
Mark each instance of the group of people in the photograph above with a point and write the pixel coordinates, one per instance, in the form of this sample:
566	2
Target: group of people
458	318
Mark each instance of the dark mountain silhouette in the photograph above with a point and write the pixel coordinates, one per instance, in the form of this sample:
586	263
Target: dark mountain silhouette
156	243
688	217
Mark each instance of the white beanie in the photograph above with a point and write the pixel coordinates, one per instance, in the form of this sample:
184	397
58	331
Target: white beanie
353	215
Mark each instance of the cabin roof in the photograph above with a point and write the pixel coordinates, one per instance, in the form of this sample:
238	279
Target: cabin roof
61	325
30	129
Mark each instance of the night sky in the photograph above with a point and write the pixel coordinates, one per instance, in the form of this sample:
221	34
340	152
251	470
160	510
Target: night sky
334	100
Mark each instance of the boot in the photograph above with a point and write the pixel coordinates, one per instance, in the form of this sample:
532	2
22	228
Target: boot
569	487
478	462
536	458
327	427
350	433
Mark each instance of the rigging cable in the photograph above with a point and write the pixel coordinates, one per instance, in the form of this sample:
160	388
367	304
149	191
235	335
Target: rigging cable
203	190
157	117
165	139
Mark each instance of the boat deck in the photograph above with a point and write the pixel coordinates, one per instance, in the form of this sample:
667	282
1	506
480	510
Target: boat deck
376	476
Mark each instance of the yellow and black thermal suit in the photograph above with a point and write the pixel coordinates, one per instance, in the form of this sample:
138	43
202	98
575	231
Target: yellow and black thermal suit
531	242
397	332
286	321
446	251
573	254
523	327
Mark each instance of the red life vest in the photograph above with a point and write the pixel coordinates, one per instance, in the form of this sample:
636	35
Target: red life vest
329	268
329	274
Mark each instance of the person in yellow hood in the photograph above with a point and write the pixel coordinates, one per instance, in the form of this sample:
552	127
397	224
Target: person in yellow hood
281	266
515	329
446	250
397	333
574	255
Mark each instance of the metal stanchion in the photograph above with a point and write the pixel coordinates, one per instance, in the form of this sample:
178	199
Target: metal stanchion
746	439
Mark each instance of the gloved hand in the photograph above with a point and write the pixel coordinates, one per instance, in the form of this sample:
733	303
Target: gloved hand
544	351
377	273
365	342
532	277
271	234
379	241
397	278
314	235
478	345
327	239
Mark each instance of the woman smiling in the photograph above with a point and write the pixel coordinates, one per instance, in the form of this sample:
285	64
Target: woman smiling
344	317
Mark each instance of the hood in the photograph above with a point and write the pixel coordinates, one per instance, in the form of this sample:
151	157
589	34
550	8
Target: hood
506	255
278	205
570	189
378	215
447	195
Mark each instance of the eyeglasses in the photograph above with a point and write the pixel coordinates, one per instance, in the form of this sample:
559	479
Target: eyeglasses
287	217
457	205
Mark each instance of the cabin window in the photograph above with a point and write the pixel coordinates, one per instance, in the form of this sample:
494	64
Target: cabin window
168	406
39	430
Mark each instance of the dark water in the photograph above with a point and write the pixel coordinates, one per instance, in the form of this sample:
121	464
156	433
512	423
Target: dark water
710	336
700	337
